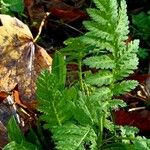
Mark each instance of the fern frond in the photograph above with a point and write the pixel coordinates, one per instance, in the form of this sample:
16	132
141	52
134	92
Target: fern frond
104	93
103	24
100	62
102	5
77	119
59	68
72	137
109	125
52	101
98	17
99	31
82	112
117	103
99	43
122	27
75	48
100	78
127	60
126	68
124	87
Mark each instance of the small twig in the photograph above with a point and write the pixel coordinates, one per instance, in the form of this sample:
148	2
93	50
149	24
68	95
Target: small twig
41	26
72	28
60	22
136	108
137	97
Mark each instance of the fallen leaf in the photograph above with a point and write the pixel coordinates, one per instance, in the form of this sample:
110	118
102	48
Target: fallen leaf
3	95
57	8
68	15
17	99
21	59
139	119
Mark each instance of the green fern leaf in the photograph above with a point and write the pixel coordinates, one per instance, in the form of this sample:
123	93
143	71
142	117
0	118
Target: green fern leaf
99	43
23	146
82	112
98	103
109	125
17	139
100	78
97	16
120	146
124	87
142	143
102	94
72	137
101	5
52	101
87	109
103	24
102	62
75	48
122	27
104	7
98	31
126	66
117	103
59	68
127	60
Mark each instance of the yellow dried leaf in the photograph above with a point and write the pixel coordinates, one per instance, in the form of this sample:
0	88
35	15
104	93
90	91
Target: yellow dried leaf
19	57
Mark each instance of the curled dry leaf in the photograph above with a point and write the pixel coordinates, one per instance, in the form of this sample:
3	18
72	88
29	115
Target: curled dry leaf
21	59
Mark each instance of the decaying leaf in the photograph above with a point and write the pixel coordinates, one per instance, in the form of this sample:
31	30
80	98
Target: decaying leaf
20	58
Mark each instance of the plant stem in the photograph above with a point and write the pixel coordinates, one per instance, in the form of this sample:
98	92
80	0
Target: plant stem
80	74
101	128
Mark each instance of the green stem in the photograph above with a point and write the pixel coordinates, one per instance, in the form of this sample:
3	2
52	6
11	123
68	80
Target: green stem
80	74
101	130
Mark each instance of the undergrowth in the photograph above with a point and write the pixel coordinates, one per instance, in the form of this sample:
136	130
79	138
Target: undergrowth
7	7
79	115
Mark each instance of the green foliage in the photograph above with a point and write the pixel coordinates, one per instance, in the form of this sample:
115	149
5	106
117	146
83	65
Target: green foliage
120	146
124	87
59	71
53	99
75	49
15	146
14	129
142	143
17	139
11	7
103	62
101	78
129	133
77	115
77	137
53	96
141	22
143	53
140	28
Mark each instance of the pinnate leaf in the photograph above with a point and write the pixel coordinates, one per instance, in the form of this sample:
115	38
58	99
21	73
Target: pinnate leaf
72	137
102	62
100	78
